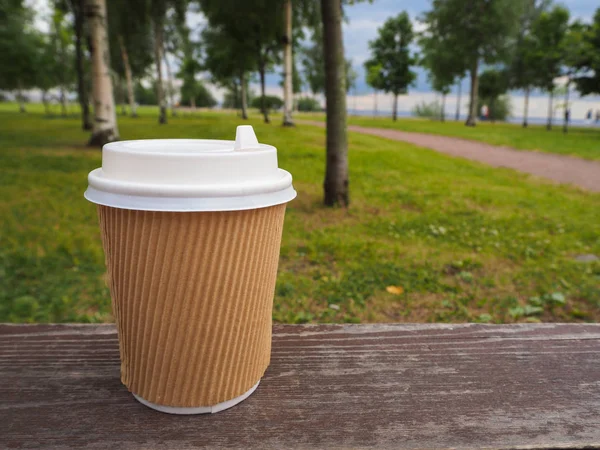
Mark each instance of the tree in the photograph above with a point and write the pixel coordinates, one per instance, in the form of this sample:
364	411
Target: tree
229	62
458	96
195	94
443	67
105	119
314	70
548	32
391	54
522	70
258	34
145	95
574	50
288	94
308	104
48	74
130	44
476	32
19	49
588	61
492	84
189	67
336	169
77	9
271	101
61	39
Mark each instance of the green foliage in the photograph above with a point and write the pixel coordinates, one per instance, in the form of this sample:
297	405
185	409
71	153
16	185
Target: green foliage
588	58
20	46
61	48
308	104
432	110
492	242
314	67
499	107
130	26
549	31
194	92
441	64
522	70
480	31
245	36
144	95
390	63
272	102
492	85
233	96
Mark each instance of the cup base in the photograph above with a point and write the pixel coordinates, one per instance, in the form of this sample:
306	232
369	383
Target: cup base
199	409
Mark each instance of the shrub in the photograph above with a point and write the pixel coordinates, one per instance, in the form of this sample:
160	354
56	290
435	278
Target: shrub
308	104
431	110
271	102
499	108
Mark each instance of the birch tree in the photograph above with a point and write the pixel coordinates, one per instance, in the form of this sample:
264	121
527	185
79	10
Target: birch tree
104	124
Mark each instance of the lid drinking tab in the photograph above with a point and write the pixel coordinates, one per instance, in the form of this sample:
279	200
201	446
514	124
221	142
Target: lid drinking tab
245	138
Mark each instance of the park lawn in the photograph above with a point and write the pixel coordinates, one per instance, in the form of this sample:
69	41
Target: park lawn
428	238
579	141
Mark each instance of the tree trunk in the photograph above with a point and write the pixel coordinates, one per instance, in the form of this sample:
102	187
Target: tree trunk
160	95
492	110
105	120
288	91
45	102
375	102
457	118
472	119
567	112
63	101
395	108
244	99
170	84
193	103
128	77
526	108
263	104
336	171
82	95
21	99
122	89
443	111
550	111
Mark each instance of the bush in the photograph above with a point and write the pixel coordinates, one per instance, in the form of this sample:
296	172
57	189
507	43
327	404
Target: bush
499	108
202	96
308	104
144	95
233	98
431	110
271	102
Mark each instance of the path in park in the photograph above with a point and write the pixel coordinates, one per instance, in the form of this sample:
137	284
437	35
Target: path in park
559	168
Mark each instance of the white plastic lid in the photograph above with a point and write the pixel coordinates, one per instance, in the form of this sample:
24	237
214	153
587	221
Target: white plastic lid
190	175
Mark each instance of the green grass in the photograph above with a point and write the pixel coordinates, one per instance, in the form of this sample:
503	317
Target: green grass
579	141
465	242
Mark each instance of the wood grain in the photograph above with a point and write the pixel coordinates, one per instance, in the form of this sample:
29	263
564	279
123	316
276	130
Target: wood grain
334	386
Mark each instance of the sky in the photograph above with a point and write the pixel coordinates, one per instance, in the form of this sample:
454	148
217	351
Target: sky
363	21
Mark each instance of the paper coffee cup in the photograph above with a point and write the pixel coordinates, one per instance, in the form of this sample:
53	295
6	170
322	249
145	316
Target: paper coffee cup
191	231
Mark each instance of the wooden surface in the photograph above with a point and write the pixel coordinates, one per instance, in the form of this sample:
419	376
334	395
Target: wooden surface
354	386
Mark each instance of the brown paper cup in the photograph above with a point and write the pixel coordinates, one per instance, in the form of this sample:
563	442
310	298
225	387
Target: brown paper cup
192	295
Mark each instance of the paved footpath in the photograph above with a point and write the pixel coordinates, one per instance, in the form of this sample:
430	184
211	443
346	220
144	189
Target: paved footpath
559	168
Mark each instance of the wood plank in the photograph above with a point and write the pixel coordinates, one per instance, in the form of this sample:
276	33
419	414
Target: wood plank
328	386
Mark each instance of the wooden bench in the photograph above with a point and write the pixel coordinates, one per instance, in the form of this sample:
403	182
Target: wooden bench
328	386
